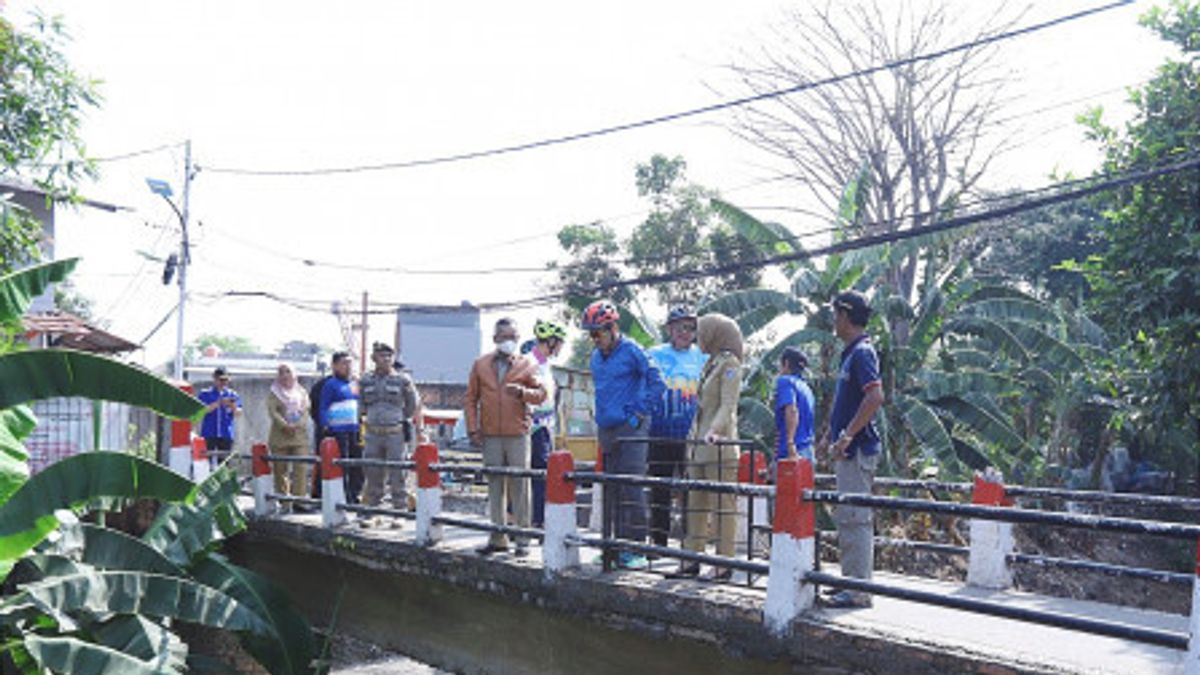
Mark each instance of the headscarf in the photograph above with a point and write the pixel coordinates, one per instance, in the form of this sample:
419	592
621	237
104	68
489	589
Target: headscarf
293	396
717	333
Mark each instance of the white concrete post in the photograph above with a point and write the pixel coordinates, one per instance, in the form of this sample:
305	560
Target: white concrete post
260	469
557	554
200	467
991	541
333	490
793	548
429	495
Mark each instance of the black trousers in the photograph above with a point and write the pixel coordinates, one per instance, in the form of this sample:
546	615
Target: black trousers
353	476
666	460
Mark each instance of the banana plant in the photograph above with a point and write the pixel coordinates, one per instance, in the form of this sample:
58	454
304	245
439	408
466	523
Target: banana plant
956	361
79	597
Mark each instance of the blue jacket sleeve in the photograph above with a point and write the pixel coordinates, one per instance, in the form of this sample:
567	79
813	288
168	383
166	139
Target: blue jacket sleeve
654	386
326	400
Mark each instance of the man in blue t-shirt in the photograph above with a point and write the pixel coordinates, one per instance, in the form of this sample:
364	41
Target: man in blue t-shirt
338	418
793	407
681	362
223	405
855	447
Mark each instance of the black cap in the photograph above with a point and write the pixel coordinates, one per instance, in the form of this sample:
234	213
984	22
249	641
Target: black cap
220	372
855	305
382	348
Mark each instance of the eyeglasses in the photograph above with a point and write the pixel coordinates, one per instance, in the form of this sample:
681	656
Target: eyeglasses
689	327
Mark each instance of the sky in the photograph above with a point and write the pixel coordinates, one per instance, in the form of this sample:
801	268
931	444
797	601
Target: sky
298	85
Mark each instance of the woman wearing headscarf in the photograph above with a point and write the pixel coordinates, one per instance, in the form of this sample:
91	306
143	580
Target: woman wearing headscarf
288	407
716	420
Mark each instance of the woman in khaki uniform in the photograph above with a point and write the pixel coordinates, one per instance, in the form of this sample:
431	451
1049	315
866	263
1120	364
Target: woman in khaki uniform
716	420
288	407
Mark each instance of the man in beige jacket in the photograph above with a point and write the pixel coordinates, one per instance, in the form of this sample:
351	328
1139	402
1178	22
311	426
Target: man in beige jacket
500	390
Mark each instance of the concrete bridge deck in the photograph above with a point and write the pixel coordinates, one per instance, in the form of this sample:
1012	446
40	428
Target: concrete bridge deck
457	610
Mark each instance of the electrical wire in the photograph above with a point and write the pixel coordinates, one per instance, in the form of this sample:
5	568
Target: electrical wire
675	116
1185	163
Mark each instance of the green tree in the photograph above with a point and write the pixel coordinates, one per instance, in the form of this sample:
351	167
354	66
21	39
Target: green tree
1147	280
42	104
226	343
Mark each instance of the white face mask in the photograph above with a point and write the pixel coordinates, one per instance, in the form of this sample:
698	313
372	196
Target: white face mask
508	347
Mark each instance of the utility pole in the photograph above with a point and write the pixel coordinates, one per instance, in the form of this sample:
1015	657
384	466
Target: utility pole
185	257
363	365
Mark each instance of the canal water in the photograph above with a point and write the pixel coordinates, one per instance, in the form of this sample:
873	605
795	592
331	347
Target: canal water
464	631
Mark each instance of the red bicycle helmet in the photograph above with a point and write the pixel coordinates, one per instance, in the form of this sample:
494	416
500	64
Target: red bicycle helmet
599	314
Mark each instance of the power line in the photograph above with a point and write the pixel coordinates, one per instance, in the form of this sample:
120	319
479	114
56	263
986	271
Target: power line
675	116
1182	164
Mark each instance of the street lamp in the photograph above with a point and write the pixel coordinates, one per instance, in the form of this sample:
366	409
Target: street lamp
163	189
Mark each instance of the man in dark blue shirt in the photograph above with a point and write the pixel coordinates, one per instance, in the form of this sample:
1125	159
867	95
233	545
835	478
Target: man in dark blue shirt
628	387
338	418
223	405
855	445
793	407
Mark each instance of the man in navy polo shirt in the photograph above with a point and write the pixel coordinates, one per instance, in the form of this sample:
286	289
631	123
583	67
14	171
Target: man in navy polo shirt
854	448
222	405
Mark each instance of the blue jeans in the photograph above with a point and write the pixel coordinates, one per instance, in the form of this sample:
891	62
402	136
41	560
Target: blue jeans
540	444
629	500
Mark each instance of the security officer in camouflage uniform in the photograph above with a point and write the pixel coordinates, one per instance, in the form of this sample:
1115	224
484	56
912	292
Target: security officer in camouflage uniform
390	400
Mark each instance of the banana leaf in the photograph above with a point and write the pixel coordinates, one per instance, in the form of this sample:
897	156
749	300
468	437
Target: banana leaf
288	647
985	425
996	334
72	655
939	384
109	549
46	373
769	239
1050	351
28	515
755	420
15	425
142	639
1013	309
19	289
801	338
183	531
94	593
932	438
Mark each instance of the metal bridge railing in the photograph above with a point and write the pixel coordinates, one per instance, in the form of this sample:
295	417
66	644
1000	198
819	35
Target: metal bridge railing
792	574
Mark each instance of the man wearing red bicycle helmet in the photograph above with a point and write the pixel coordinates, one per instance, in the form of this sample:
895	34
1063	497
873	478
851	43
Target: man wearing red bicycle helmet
628	386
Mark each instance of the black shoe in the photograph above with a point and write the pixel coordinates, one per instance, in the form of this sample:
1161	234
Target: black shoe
686	571
521	551
490	549
847	600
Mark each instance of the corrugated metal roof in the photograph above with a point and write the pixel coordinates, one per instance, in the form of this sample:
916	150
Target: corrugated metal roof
67	330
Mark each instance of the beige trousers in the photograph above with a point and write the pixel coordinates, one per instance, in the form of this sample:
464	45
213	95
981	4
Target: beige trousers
510	451
713	463
291	478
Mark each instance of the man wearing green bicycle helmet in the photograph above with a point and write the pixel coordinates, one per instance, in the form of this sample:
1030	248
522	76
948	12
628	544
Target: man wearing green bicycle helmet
549	338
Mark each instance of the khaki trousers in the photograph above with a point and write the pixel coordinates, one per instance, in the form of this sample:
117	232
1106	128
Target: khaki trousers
509	451
714	463
386	447
291	478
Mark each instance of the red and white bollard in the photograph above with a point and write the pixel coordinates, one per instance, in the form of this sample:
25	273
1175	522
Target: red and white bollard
260	469
179	456
596	515
793	547
429	495
200	467
333	489
751	505
991	541
557	554
1191	660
